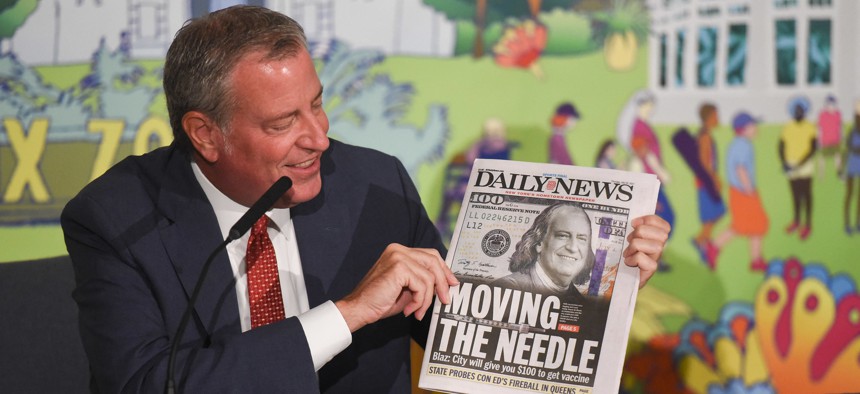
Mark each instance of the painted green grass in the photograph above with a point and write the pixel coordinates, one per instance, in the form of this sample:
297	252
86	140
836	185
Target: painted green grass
474	90
31	242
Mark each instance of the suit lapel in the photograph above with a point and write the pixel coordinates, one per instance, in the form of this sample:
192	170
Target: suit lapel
324	228
190	235
323	239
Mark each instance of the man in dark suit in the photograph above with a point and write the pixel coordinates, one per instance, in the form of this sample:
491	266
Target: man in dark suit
245	107
554	255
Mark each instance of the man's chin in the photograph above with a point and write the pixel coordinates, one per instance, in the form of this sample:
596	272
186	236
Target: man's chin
299	194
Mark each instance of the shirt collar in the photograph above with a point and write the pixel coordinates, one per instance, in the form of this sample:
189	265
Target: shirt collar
228	211
544	278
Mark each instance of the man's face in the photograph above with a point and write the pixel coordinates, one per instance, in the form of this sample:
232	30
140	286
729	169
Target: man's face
751	130
278	127
564	249
645	109
713	119
799	113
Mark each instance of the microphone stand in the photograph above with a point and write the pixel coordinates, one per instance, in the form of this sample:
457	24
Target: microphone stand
242	225
187	314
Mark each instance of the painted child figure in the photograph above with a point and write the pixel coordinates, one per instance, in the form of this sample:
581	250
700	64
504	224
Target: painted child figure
798	144
748	216
830	134
711	207
562	122
851	172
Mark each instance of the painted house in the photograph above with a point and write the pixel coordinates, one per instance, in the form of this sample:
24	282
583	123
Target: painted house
752	55
61	32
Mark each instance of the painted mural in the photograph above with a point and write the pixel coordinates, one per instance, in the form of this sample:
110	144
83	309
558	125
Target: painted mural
747	111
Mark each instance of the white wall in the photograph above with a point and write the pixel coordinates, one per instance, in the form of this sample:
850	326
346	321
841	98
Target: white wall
760	94
61	31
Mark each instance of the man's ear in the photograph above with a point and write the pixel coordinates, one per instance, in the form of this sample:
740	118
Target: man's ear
538	247
206	137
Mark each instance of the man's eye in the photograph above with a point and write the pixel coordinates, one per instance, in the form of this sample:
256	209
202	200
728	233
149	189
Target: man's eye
282	126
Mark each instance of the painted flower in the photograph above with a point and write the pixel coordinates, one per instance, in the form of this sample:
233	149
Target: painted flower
521	46
809	328
723	357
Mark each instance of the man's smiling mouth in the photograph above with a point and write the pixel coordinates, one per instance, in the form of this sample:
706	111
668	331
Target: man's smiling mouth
304	164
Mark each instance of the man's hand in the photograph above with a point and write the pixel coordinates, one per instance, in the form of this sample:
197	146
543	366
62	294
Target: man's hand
402	280
646	243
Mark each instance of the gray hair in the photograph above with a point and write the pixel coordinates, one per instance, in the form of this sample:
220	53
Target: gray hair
526	254
204	52
628	115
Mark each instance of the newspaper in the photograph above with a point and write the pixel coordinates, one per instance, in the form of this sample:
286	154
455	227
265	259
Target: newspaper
529	314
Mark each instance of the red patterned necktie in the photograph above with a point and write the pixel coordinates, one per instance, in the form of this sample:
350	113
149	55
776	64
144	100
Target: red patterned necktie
264	288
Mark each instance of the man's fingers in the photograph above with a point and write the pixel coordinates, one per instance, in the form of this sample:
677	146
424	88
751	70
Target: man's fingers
652	248
443	277
405	302
422	285
645	245
647	266
649	232
652	220
423	275
428	302
403	280
441	284
649	235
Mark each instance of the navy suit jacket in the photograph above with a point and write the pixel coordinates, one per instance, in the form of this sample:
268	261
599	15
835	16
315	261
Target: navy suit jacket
139	235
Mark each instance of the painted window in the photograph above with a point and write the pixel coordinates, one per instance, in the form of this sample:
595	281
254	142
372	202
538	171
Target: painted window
820	3
784	3
786	52
706	63
738	9
819	52
679	58
709	12
737	57
663	60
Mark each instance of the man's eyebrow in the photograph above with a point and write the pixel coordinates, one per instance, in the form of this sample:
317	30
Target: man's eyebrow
285	115
289	114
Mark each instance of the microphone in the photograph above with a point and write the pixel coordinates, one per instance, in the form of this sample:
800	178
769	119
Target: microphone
260	207
242	225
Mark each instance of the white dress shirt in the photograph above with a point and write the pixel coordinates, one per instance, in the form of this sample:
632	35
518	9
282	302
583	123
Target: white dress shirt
325	329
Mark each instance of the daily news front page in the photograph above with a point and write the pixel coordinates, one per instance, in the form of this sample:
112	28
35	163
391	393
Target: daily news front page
545	301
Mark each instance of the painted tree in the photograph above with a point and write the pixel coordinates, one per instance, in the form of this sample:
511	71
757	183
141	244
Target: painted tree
621	26
13	14
485	12
521	46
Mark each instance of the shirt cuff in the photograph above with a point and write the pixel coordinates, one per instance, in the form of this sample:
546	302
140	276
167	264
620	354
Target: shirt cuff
326	332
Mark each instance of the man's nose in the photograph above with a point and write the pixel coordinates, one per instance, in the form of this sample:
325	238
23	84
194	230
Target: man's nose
574	245
315	134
